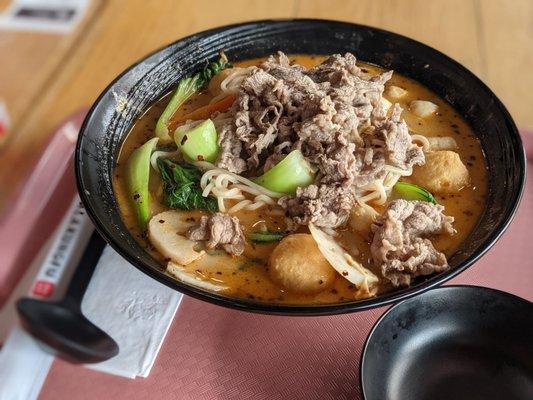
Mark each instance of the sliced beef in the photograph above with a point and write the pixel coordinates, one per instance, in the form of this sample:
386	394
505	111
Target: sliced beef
279	152
400	243
326	206
219	230
333	114
230	150
334	68
399	149
369	164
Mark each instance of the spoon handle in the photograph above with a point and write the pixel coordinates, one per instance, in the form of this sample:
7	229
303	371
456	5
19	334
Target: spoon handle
84	271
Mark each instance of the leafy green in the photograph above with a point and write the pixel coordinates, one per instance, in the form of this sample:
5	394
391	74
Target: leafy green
211	69
181	187
409	191
266	237
137	177
186	88
287	175
198	143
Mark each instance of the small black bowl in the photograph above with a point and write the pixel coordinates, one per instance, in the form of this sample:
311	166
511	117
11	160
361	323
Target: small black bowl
454	342
129	95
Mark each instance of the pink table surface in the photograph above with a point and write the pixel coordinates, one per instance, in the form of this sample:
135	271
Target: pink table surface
216	353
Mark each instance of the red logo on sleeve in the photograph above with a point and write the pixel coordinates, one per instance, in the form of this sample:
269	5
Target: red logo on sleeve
43	289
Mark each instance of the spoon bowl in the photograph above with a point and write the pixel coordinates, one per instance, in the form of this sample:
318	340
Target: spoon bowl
65	330
61	326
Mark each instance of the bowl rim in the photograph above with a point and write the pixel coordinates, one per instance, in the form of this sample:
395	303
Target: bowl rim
290	309
394	307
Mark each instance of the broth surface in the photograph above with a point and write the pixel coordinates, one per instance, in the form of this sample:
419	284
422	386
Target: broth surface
247	275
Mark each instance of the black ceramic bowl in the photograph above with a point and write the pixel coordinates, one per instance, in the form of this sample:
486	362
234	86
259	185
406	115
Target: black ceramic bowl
454	342
125	99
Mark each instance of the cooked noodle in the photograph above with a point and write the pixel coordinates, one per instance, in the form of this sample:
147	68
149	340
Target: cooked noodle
399	171
165	154
378	190
225	185
232	83
422	140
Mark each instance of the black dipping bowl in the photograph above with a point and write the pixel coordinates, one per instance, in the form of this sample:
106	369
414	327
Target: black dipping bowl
128	96
454	342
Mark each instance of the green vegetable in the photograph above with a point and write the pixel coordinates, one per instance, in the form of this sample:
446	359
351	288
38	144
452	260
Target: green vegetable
137	177
199	143
290	173
186	88
266	236
408	191
181	187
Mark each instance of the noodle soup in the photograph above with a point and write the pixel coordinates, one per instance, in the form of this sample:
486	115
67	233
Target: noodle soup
316	192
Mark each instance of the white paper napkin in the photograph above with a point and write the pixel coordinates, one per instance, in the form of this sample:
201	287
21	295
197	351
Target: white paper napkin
133	309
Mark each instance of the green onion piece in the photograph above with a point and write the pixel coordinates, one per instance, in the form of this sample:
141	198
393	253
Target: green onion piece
199	143
266	237
137	177
186	88
290	173
408	191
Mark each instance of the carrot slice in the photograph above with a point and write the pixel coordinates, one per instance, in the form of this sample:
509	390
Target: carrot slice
202	112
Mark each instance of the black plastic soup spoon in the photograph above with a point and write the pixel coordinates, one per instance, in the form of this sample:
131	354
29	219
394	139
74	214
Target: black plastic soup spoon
61	326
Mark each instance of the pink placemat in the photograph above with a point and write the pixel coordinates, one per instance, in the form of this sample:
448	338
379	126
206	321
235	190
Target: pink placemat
52	184
216	353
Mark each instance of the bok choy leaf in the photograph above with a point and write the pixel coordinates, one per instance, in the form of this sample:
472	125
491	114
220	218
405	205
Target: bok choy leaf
181	187
290	173
186	88
198	143
137	177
